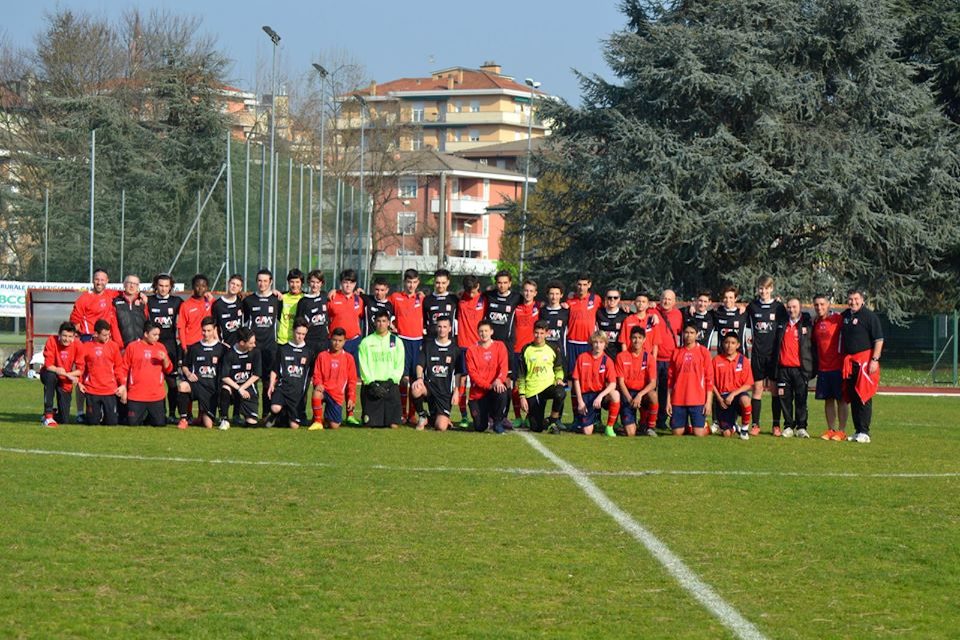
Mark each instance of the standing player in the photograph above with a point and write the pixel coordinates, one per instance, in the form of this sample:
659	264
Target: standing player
163	309
381	368
442	303
691	387
471	309
58	374
540	379
261	311
826	337
145	362
227	311
288	306
796	364
346	311
408	307
436	377
334	380
528	313
379	300
637	381
289	379
670	325
129	313
595	385
101	375
583	306
239	375
93	305
862	340
313	308
700	316
763	314
200	376
192	312
732	382
488	370
728	318
502	306
640	318
610	320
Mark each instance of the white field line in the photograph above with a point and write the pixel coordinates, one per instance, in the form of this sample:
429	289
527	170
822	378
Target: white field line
919	394
520	471
700	590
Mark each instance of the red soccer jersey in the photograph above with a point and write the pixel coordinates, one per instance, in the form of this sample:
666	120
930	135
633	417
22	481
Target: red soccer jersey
523	319
101	367
594	372
192	312
637	371
345	312
583	317
484	365
730	375
690	377
667	338
333	372
826	335
57	355
91	307
408	310
470	312
143	371
790	346
650	337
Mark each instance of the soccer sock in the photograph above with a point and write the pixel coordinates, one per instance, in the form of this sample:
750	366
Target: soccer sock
225	398
614	414
755	410
746	414
644	414
183	403
190	407
462	390
516	402
652	412
418	405
317	403
406	407
777	410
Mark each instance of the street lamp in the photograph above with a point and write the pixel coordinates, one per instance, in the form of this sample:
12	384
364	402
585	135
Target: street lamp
363	197
323	103
534	85
275	39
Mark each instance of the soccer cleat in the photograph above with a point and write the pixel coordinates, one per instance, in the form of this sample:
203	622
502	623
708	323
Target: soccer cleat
464	423
744	433
498	428
172	419
861	437
521	424
270	421
48	421
553	428
182	424
316	426
776	432
839	436
81	418
421	423
352	421
755	430
609	432
786	433
714	428
224	425
802	433
828	434
506	425
651	433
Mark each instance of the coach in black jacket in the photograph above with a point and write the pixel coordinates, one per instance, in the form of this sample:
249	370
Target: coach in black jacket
795	364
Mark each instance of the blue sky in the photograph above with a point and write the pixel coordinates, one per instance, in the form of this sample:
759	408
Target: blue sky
538	39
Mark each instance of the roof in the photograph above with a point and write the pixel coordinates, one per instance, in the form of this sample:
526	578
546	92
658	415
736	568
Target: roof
473	79
431	161
510	149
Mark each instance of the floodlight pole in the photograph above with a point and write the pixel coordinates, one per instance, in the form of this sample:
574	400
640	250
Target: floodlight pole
322	72
275	39
93	175
123	221
533	84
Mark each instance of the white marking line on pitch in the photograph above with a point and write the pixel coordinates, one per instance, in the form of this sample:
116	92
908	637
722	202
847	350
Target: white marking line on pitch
520	471
704	593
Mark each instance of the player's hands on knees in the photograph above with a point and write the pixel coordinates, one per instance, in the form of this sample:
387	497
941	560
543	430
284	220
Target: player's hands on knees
669	408
708	409
244	394
418	387
350	405
498	386
581	407
524	405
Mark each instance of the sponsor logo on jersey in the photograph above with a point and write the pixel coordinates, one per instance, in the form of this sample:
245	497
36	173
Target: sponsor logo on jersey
263	321
295	371
207	371
499	317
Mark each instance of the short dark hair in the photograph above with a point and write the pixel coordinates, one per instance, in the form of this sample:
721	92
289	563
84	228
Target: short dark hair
532	283
381	313
265	272
236	276
821	295
316	273
411	274
484	322
441	272
730	289
198	278
853	290
555	284
149	326
638	331
470	283
732	334
339	331
98	326
244	333
101	270
301	322
541	324
584	276
69	328
295	274
206	322
503	273
350	275
381	282
162	276
705	294
643	294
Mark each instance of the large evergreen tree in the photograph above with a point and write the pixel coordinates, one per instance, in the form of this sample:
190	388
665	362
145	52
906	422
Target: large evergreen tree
747	137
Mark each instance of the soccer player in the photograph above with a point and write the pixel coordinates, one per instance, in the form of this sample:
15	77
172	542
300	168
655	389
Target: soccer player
669	322
227	311
192	312
583	306
700	316
345	308
540	379
288	306
526	316
261	311
145	362
502	306
436	377
381	368
489	372
101	375
408	307
826	336
334	379
732	382
557	317
862	339
129	312
610	320
637	382
728	318
763	314
595	385
290	377
200	376
640	318
93	305
795	365
441	303
163	309
379	300
313	308
239	375
690	381
471	309
58	374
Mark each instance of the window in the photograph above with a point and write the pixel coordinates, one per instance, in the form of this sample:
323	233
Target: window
501	164
459	106
474	135
417	114
417	141
458	135
407	188
517	136
474	106
483	161
406	223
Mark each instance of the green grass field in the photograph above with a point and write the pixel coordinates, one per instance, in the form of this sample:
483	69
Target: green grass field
386	534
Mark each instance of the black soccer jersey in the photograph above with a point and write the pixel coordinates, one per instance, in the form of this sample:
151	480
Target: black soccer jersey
314	311
860	330
370	307
204	361
240	367
163	312
610	324
261	314
729	321
702	322
229	318
440	364
500	312
293	366
439	306
557	319
763	318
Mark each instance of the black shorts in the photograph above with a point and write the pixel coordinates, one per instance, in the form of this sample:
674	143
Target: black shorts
439	401
763	366
205	396
248	407
102	409
381	411
173	350
153	413
292	400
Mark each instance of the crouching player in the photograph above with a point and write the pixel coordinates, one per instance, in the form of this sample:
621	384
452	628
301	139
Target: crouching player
289	378
595	386
732	381
690	382
101	375
334	371
437	377
145	363
488	368
637	380
60	354
540	379
200	376
239	375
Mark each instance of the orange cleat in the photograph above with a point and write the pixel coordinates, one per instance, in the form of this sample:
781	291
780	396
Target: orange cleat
839	436
777	432
828	435
755	430
183	424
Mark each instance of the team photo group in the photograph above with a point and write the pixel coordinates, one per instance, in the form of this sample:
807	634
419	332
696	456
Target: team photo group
410	357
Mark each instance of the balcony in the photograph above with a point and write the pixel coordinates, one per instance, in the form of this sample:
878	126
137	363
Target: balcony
470	242
461	205
491	117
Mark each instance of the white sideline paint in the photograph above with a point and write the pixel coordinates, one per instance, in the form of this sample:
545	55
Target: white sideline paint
520	471
700	590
